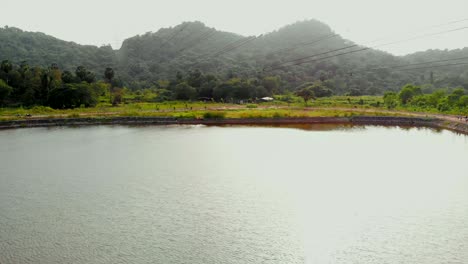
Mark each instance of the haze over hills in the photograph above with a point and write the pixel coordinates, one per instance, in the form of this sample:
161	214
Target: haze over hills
145	59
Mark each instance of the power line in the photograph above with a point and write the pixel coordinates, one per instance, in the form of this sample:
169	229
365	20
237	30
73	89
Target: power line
315	55
422	36
225	50
226	47
351	46
425	28
301	60
230	45
436	66
208	34
248	40
414	64
174	35
311	43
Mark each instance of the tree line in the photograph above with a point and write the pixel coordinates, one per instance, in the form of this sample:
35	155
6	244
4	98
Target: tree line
416	97
24	85
145	61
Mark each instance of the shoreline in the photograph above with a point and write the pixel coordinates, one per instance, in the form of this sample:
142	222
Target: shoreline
356	120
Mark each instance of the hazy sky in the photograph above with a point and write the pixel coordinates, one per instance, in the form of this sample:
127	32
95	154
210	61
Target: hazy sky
100	22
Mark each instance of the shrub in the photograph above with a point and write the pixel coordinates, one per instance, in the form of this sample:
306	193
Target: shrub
42	109
214	115
277	115
390	100
72	95
74	115
408	92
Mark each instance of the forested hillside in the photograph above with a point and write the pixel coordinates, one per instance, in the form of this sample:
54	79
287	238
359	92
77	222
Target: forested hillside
154	59
446	77
39	49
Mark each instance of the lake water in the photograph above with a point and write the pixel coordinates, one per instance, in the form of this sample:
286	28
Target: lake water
202	195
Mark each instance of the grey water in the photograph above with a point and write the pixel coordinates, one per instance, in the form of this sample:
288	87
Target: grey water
196	194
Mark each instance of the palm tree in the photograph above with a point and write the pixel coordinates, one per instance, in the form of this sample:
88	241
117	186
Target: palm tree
109	75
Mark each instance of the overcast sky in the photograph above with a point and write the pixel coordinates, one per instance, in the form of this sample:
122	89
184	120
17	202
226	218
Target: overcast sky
101	22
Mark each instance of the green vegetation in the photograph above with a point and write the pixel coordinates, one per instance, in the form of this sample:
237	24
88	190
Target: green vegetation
160	74
284	106
306	93
214	115
50	92
153	60
22	85
412	98
5	90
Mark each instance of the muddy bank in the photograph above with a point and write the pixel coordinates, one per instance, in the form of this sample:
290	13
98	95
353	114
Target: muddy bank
358	120
237	121
461	128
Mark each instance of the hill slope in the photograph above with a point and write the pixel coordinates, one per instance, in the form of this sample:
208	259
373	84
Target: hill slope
143	60
42	50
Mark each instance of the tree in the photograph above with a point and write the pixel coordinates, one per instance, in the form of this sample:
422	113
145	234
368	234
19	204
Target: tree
306	94
183	91
408	92
67	77
90	77
179	76
81	73
207	89
320	90
318	87
5	90
223	91
72	95
6	67
434	98
354	92
109	75
272	84
390	100
463	101
142	62
456	95
117	96
84	75
195	79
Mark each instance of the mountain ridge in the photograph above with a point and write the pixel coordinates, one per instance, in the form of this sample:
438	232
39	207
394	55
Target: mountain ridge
144	59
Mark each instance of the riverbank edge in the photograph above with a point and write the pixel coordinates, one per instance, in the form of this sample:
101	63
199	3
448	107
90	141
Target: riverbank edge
356	120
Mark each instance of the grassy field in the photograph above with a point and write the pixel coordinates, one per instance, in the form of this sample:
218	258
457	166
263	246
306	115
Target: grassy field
338	106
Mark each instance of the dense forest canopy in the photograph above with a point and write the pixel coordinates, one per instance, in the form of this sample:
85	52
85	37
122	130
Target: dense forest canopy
154	59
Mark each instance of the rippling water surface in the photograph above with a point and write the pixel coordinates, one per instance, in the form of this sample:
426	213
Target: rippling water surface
203	195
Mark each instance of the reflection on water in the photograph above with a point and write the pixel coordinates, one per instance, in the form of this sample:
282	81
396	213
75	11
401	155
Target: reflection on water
332	127
307	127
196	194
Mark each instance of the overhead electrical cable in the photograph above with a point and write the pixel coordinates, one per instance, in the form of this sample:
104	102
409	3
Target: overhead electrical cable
299	45
304	59
174	35
435	66
412	64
